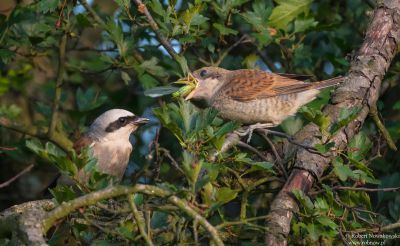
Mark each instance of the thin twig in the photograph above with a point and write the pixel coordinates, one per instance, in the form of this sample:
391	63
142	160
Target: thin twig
92	12
59	82
8	182
92	198
290	140
251	148
174	163
277	157
160	36
139	220
8	148
343	238
245	38
373	111
389	189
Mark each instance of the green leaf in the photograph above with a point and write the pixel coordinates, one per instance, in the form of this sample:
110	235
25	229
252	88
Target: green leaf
359	146
225	194
152	67
304	200
123	3
292	125
160	91
321	205
63	193
326	221
223	30
125	77
148	81
226	128
6	55
342	171
324	148
45	6
264	164
345	117
396	106
286	11
89	99
317	117
304	24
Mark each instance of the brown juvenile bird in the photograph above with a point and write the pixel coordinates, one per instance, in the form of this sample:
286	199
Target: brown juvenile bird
253	96
108	137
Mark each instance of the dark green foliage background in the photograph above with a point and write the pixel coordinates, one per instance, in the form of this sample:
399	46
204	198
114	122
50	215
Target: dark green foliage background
111	65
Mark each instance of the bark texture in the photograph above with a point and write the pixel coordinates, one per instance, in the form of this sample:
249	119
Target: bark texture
360	89
23	221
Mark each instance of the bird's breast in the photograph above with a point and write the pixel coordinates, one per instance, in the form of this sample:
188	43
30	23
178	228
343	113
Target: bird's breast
266	110
112	157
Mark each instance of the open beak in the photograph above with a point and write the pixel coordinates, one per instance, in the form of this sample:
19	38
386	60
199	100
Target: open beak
140	120
192	93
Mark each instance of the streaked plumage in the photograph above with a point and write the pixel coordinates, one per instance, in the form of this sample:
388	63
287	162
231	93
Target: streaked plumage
253	96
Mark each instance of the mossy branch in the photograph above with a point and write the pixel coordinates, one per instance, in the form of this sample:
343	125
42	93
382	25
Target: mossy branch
92	198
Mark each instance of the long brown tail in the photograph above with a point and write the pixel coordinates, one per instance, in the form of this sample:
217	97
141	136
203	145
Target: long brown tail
327	83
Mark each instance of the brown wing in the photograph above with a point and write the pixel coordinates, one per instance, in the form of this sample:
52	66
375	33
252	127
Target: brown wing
250	84
81	143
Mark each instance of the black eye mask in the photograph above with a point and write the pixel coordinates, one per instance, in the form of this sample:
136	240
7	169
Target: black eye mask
121	122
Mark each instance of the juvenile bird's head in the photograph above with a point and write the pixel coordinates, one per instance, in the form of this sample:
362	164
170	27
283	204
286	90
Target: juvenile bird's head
115	124
210	80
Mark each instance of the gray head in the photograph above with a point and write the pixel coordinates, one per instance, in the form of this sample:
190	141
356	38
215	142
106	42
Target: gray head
115	124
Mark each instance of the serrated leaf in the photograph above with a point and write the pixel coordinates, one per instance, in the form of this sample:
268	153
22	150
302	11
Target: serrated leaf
225	194
286	11
304	24
226	128
326	221
123	3
304	200
342	171
359	146
89	99
45	6
63	193
223	30
324	148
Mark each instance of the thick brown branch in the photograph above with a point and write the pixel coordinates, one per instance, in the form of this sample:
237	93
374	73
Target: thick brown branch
360	90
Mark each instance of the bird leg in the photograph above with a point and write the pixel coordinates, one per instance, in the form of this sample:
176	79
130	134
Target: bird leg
244	131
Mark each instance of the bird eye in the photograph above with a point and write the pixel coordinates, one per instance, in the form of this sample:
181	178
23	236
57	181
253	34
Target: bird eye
203	73
122	120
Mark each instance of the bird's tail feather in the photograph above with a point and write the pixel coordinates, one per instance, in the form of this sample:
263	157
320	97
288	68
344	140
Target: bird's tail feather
328	83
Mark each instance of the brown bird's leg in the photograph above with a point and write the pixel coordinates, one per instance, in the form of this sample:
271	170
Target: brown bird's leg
248	130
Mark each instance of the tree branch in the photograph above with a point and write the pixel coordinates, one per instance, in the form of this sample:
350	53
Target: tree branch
374	114
57	138
160	36
139	220
92	198
59	82
361	90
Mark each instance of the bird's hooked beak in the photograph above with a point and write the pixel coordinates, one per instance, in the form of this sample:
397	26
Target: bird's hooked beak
136	120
